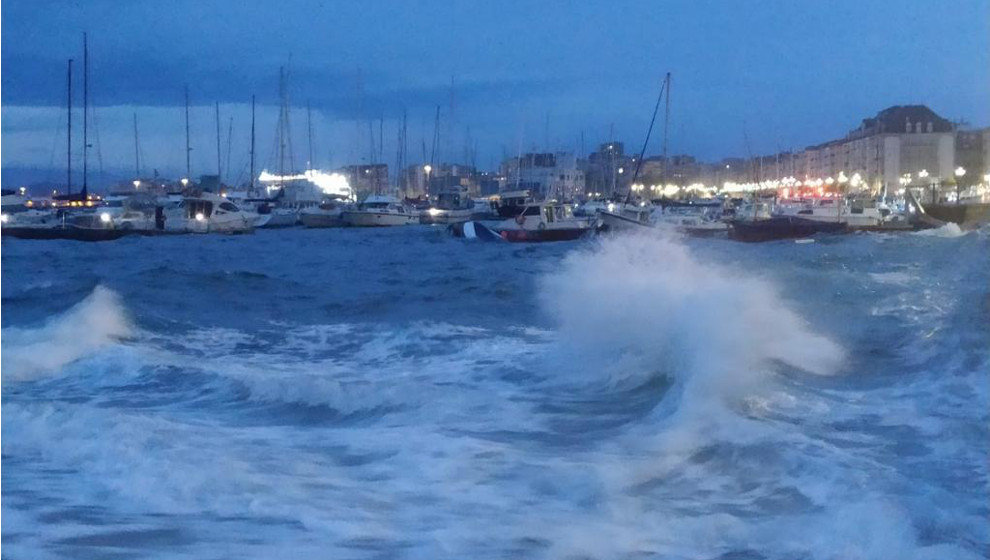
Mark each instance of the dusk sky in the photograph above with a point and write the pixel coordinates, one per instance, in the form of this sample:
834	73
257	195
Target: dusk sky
525	74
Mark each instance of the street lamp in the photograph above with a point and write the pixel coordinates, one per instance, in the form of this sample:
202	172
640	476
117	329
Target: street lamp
923	174
426	169
960	171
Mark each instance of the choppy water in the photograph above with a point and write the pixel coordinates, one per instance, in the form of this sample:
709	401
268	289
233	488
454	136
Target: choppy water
401	394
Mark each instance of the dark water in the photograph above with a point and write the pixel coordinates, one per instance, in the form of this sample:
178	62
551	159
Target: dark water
401	394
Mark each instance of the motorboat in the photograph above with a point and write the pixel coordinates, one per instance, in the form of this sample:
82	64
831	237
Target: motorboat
696	219
453	205
327	214
378	211
206	213
510	204
857	214
544	221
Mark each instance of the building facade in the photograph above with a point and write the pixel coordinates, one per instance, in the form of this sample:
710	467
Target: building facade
903	141
550	175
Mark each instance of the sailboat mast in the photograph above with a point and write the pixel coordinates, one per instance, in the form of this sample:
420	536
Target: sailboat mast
666	122
188	149
309	127
252	142
137	161
68	144
85	187
219	173
281	124
230	136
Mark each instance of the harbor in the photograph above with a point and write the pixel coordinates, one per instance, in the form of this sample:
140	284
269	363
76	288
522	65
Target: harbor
516	280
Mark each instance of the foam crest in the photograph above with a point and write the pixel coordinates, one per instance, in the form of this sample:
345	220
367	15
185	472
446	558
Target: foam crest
949	230
95	322
642	305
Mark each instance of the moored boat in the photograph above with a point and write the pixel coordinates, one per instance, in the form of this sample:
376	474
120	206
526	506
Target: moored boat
781	227
379	211
544	221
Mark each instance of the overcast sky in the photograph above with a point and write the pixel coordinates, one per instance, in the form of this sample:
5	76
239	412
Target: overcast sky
525	74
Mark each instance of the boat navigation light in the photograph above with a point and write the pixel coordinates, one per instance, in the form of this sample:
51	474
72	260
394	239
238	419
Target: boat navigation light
433	211
4	218
184	181
200	217
105	218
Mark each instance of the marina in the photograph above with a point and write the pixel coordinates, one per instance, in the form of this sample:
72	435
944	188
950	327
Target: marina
522	280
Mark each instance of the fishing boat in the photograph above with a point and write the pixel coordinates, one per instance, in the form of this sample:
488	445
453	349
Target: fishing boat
378	211
544	221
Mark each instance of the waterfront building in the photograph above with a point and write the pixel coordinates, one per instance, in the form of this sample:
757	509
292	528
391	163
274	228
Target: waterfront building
903	142
608	170
553	175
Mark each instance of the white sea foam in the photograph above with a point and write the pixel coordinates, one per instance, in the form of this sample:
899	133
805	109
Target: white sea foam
96	322
640	305
949	230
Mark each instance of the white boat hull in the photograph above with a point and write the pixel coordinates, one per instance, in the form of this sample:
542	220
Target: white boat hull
358	218
282	217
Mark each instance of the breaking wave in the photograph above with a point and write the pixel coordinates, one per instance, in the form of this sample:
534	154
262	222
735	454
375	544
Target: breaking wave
643	305
95	322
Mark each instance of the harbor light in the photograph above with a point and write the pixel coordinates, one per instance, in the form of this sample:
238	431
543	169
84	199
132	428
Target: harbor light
23	191
200	217
184	181
137	184
960	171
621	170
4	218
105	217
923	173
427	168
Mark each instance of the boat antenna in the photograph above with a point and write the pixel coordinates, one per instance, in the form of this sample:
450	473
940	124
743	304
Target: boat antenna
68	144
85	187
649	131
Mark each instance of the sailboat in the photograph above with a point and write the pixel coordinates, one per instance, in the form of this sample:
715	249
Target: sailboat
62	224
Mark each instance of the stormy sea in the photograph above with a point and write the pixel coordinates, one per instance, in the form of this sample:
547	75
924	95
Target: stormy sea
399	393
